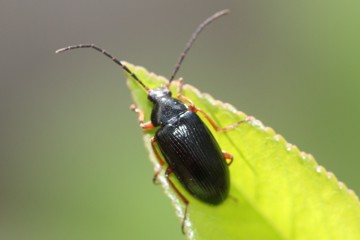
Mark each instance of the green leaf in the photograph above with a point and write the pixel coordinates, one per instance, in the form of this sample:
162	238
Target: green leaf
277	192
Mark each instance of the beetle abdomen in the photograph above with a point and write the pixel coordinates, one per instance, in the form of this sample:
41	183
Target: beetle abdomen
195	157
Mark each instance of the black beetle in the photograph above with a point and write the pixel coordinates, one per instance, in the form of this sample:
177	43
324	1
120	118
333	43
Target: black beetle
189	148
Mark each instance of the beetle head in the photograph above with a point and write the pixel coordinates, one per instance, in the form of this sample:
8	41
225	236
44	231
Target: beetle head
154	95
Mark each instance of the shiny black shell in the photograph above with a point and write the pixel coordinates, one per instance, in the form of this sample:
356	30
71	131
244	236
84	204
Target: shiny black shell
195	157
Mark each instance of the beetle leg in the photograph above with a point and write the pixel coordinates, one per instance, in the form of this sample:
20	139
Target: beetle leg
228	156
183	199
160	161
145	126
191	105
194	109
181	83
149	126
215	126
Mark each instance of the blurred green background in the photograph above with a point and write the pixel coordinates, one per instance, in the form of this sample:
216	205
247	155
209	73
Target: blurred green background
72	161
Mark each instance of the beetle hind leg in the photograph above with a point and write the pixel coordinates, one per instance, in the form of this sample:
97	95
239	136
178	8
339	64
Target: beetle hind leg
183	199
160	161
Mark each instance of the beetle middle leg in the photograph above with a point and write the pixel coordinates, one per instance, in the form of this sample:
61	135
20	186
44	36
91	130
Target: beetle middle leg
193	108
149	126
183	199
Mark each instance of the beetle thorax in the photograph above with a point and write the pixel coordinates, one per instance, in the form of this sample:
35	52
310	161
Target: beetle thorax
165	108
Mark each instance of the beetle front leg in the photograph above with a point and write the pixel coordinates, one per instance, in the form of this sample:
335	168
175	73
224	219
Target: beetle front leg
183	199
146	126
180	83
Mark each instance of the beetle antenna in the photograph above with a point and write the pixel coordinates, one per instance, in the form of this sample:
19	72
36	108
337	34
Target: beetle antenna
194	37
103	51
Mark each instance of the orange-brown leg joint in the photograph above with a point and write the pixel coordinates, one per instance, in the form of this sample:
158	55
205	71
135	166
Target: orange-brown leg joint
147	126
183	199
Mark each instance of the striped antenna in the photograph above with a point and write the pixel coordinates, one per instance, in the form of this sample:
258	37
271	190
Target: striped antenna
194	37
107	55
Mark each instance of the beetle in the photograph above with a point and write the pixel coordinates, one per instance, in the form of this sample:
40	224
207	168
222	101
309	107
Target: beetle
186	145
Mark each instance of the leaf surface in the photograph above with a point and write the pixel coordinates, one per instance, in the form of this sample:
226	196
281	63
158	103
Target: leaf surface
277	191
